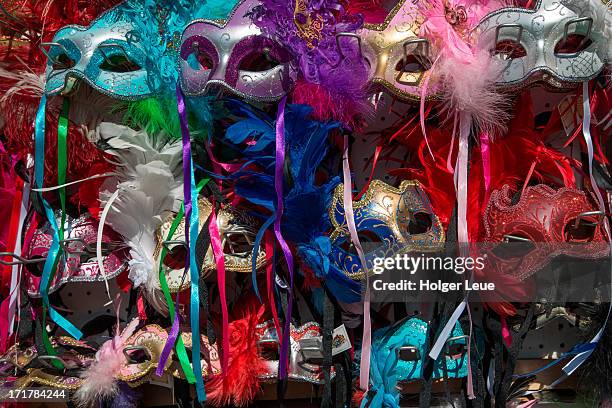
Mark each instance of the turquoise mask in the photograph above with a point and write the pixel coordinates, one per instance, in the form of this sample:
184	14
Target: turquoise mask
129	52
399	353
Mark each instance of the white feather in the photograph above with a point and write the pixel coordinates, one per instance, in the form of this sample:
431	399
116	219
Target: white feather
26	83
150	185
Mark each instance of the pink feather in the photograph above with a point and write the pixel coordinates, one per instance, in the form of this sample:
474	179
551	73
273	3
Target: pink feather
464	73
99	381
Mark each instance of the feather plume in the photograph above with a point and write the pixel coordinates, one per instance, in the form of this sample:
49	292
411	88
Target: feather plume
462	72
149	181
99	381
240	385
153	115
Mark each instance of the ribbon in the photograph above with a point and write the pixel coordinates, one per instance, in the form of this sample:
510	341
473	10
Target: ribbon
99	258
191	234
577	361
422	105
465	125
506	332
485	153
279	165
217	247
256	245
174	316
366	341
9	304
54	249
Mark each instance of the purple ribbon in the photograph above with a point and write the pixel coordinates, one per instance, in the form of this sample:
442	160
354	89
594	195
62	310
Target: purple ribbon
278	186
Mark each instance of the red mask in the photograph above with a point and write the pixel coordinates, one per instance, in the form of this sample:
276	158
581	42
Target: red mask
550	222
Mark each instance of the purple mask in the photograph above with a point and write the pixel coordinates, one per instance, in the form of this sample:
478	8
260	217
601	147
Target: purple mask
235	56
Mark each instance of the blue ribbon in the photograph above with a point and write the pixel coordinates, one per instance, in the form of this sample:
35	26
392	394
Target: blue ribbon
39	173
576	350
256	246
191	236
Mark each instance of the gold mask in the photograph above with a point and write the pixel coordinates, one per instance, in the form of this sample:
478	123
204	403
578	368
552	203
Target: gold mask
399	59
389	221
237	231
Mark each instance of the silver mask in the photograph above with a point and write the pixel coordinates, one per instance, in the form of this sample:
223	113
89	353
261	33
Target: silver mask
552	43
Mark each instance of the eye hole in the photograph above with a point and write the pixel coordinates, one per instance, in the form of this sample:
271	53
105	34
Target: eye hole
63	61
119	63
199	61
258	61
574	43
268	350
420	224
137	355
516	246
175	257
413	64
583	232
509	49
365	237
36	269
237	244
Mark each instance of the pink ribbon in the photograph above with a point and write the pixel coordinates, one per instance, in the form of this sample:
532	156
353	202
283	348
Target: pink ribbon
366	342
217	247
485	152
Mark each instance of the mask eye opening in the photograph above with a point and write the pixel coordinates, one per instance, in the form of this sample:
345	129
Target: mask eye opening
238	244
420	223
136	354
514	245
175	257
120	62
509	50
199	59
59	61
573	44
510	47
269	349
582	228
259	61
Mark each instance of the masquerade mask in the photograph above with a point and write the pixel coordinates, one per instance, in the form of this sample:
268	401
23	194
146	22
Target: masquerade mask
551	43
110	55
237	231
398	59
235	56
407	342
79	262
389	221
129	52
306	358
548	222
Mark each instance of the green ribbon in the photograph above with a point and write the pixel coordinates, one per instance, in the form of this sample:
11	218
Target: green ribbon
180	346
62	164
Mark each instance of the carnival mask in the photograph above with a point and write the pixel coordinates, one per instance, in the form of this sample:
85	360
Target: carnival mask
406	344
547	223
305	359
237	231
79	262
129	52
389	221
398	59
551	43
235	56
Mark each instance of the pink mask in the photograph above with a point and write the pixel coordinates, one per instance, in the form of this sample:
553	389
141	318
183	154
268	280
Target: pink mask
78	263
235	56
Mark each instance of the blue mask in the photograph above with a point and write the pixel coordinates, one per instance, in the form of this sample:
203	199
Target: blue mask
129	52
389	221
399	353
